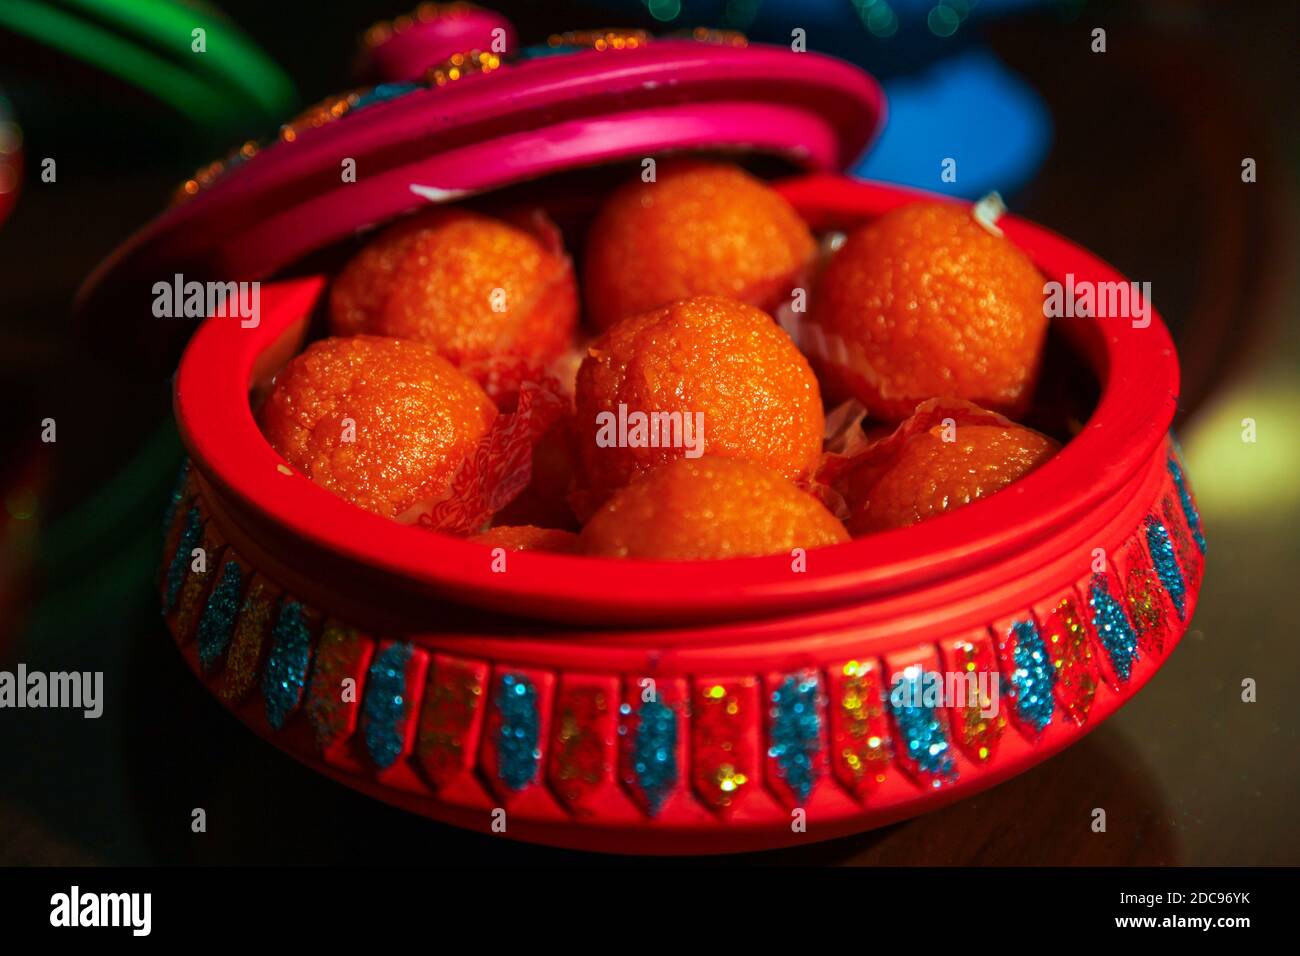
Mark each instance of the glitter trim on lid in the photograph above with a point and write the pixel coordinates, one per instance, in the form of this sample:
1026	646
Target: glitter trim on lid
460	65
383	93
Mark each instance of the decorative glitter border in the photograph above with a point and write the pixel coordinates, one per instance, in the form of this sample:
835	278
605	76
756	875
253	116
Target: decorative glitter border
622	750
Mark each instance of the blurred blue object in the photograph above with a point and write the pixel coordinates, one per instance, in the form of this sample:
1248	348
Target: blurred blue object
949	96
968	108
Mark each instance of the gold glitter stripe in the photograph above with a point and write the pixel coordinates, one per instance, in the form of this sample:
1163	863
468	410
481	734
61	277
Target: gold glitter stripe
248	644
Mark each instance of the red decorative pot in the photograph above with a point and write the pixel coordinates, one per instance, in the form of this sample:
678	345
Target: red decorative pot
655	707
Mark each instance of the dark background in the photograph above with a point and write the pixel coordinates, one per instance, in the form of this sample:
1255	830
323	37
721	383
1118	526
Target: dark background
1144	170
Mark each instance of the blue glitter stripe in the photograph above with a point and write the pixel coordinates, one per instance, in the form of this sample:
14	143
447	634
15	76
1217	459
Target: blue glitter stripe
219	615
542	51
919	726
1189	506
383	93
286	664
383	710
1113	628
1166	564
654	752
1034	677
796	731
180	563
517	751
177	495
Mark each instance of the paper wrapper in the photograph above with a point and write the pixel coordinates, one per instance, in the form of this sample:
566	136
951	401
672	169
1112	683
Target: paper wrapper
504	378
532	399
855	458
500	467
845	437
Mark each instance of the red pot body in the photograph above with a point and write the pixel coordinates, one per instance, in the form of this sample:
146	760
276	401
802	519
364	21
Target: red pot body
682	708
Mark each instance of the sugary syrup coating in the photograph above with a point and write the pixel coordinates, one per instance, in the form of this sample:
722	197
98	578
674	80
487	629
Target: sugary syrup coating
929	476
707	508
527	537
478	289
382	422
925	302
699	229
731	376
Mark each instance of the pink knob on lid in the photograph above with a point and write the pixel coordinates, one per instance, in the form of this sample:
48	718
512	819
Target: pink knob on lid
401	50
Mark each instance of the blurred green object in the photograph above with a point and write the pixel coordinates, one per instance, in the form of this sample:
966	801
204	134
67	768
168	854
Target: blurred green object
216	78
129	499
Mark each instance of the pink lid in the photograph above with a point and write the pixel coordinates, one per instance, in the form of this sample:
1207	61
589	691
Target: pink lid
473	126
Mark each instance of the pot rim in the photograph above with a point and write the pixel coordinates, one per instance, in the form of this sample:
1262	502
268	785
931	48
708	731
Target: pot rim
308	526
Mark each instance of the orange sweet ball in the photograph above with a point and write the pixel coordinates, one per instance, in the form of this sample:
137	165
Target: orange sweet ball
924	302
928	476
700	229
382	422
479	290
527	538
734	381
709	508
